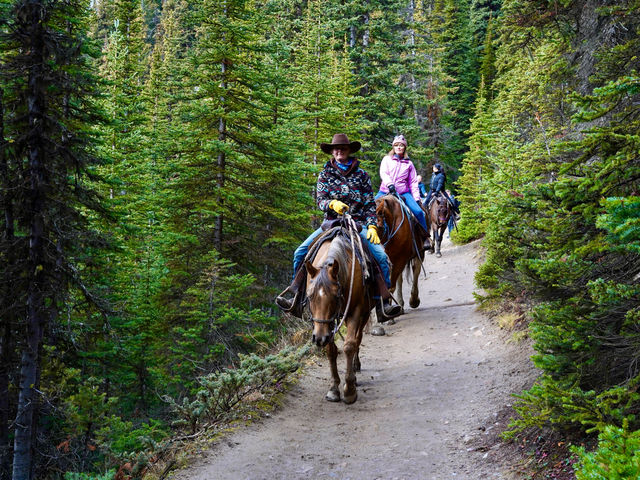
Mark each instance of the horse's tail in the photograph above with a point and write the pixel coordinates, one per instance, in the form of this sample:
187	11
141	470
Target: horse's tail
408	269
416	261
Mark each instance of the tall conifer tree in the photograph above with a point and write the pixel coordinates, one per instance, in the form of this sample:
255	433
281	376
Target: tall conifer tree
48	91
452	33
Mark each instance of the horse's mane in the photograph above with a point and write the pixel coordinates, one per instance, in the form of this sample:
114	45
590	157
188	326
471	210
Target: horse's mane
340	252
387	206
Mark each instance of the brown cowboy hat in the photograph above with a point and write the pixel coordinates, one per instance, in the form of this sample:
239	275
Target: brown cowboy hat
340	139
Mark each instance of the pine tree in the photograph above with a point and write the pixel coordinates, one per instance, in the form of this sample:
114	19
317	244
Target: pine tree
234	188
560	208
453	34
324	97
474	183
488	68
48	92
381	48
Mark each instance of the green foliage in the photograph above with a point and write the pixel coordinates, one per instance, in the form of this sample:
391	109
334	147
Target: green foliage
110	475
121	440
453	33
551	180
565	406
622	223
616	458
216	111
221	392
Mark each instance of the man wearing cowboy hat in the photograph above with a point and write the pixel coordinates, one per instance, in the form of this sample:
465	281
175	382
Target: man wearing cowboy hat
343	185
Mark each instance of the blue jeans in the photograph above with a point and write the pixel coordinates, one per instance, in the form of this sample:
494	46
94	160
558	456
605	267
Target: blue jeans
413	206
450	224
377	250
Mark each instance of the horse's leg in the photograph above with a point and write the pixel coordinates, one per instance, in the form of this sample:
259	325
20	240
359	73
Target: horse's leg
438	241
350	349
440	237
398	292
414	301
333	395
356	358
433	239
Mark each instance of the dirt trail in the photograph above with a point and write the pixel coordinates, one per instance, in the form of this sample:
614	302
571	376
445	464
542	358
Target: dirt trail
431	396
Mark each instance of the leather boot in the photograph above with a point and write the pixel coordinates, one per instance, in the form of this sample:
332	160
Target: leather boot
294	305
387	312
284	303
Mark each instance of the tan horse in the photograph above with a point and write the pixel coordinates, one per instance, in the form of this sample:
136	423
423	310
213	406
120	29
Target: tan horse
437	218
403	242
337	294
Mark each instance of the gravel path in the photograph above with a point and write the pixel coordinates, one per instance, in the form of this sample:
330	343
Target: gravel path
431	396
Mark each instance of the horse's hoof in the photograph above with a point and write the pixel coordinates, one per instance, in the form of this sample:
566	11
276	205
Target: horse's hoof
415	304
438	254
351	398
332	396
378	331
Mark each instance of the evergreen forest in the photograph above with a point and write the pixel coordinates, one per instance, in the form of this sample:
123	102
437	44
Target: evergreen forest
158	163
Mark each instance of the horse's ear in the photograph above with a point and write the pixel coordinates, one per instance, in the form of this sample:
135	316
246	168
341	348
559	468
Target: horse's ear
333	270
311	270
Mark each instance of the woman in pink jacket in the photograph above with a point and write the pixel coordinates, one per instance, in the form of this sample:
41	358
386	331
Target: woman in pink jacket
398	176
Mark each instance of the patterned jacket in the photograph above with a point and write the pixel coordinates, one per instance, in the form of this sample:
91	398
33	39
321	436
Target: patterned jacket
352	187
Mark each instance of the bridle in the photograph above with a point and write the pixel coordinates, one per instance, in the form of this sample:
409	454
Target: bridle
444	206
350	225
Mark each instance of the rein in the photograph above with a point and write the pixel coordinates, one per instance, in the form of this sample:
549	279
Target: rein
403	208
386	227
351	227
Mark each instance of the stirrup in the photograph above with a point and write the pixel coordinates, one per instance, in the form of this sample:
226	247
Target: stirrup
285	304
388	311
293	306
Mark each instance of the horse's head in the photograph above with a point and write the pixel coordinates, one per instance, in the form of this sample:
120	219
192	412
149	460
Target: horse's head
325	299
385	215
380	212
444	211
440	211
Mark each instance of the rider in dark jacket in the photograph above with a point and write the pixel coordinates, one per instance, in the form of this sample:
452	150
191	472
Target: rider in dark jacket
438	181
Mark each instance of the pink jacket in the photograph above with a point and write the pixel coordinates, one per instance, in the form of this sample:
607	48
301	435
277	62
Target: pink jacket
401	173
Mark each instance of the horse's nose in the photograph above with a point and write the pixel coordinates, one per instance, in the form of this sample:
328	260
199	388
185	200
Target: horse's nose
320	341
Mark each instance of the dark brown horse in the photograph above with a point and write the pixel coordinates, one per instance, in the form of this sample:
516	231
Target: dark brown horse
338	295
437	218
402	240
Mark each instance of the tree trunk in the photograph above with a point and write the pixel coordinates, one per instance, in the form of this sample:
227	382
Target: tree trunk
5	361
6	241
36	291
222	160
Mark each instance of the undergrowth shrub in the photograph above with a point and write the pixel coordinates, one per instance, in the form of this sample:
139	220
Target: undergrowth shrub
220	392
616	458
111	475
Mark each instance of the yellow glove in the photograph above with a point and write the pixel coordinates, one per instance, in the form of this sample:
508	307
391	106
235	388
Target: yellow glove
338	206
372	234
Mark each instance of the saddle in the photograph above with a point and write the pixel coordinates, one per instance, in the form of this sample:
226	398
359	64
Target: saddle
433	198
407	211
416	228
